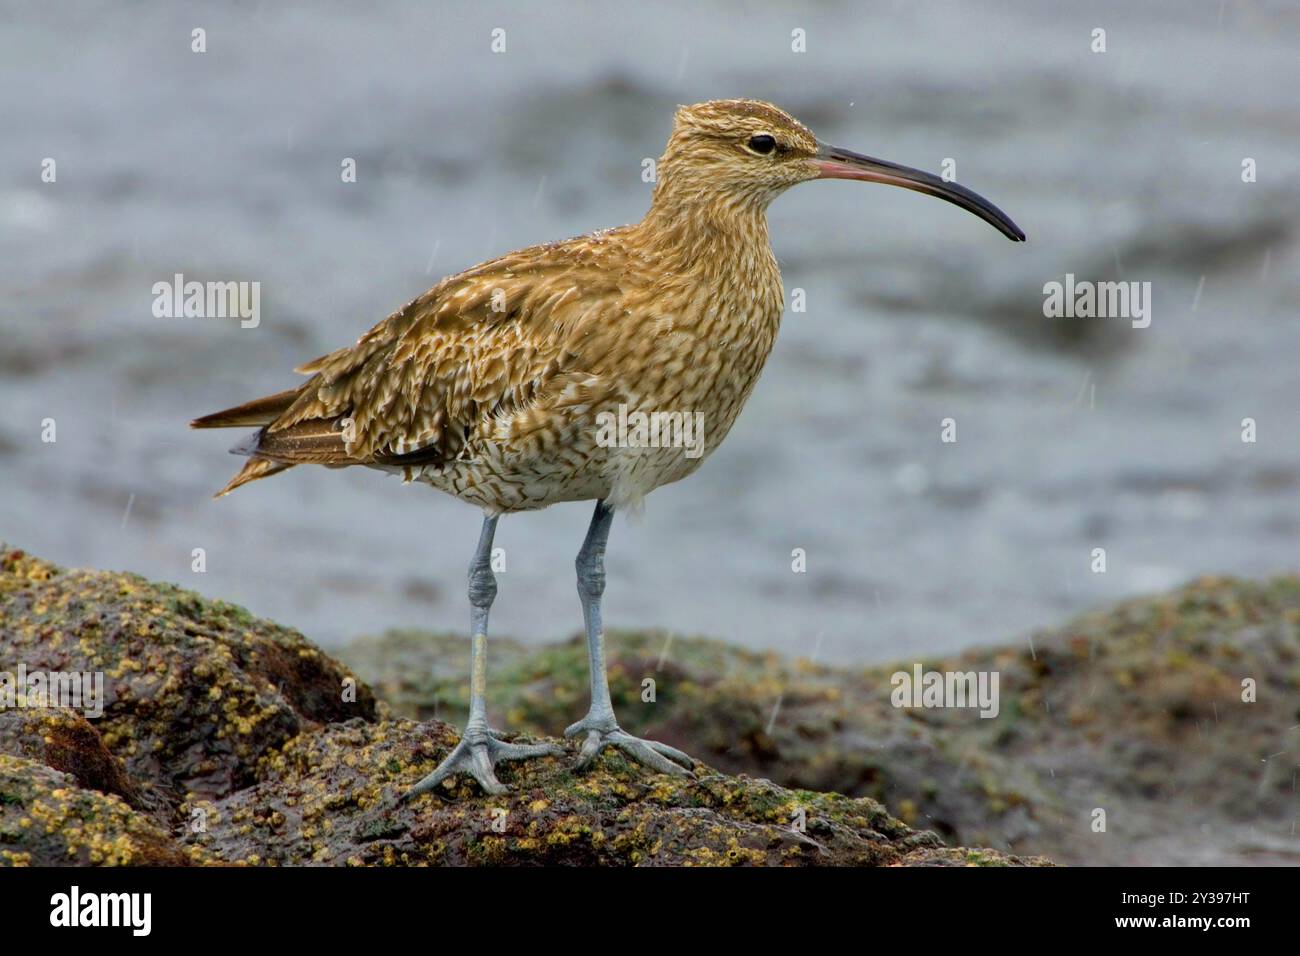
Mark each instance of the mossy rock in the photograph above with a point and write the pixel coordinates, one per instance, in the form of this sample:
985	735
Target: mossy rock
64	740
195	690
1138	709
330	798
230	740
47	819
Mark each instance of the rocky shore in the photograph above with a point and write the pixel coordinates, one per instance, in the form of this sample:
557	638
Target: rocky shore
226	739
1178	716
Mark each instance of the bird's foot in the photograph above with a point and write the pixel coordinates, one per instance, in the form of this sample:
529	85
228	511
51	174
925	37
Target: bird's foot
479	751
604	732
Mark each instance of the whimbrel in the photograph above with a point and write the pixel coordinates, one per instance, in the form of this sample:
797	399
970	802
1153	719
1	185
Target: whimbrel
499	385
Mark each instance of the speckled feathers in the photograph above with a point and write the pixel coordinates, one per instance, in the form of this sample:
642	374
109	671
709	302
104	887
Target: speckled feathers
489	385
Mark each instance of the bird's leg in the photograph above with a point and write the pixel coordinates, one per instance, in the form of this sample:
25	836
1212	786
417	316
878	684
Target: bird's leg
479	749
600	726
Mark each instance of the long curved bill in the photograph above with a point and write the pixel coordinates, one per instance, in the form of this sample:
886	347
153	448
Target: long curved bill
833	162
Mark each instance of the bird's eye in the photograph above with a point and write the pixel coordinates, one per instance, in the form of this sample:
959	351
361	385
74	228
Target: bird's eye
762	143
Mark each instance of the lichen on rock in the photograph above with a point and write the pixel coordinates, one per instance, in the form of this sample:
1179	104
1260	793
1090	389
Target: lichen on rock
195	689
230	740
1140	708
46	819
330	798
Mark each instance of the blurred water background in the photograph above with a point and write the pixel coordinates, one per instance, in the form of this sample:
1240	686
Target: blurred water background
1072	435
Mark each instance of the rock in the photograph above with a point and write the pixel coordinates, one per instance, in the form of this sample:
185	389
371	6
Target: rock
328	798
195	690
46	819
64	740
225	739
1137	710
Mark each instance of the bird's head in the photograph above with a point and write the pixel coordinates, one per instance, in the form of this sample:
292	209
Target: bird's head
742	154
743	151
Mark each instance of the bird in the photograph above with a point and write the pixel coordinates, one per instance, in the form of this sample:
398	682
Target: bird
597	368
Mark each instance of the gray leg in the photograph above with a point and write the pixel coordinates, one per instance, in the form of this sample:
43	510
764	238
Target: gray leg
479	749
600	725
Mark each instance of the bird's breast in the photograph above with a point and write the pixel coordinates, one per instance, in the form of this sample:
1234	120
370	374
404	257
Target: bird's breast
702	355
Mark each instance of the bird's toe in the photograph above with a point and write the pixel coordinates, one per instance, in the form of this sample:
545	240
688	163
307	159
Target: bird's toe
642	752
672	753
590	747
649	753
477	754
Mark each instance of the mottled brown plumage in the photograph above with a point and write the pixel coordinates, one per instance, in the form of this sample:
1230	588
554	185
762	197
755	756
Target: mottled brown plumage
488	386
499	383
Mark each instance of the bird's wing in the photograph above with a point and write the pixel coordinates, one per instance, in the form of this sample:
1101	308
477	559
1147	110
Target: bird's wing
477	348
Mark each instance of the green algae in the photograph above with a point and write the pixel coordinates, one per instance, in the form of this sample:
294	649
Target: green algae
1137	707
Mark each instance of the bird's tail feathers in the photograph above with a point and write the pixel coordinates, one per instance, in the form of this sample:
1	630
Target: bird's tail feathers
260	411
253	469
